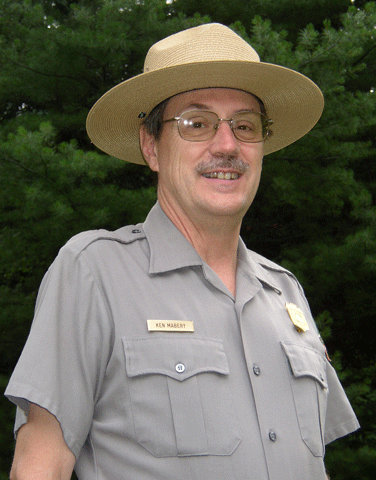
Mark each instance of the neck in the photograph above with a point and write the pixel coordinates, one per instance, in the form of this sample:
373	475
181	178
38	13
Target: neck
214	237
220	253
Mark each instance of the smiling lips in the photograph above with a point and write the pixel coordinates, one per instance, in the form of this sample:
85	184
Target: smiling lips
222	175
218	168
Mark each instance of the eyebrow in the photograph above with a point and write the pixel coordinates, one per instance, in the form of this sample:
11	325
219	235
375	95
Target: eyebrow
199	106
203	106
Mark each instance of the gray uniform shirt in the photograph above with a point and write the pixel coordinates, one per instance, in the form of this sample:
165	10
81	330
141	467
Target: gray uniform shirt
244	396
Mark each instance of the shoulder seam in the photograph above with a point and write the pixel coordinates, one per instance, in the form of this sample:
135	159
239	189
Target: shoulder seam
83	240
268	264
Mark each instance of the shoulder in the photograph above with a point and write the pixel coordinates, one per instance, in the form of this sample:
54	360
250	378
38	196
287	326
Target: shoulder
95	247
273	274
85	240
93	254
267	264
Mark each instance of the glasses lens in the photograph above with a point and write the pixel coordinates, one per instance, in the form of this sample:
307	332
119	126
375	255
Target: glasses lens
197	126
249	127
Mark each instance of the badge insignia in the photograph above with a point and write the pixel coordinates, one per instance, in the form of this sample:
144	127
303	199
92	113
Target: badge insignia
297	317
180	326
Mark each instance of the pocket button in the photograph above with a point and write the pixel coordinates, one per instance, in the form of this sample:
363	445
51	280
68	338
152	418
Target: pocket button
180	367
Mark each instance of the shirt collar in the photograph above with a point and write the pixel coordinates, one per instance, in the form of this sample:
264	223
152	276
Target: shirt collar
169	249
257	266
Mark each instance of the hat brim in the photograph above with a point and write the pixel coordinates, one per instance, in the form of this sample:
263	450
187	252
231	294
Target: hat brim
292	101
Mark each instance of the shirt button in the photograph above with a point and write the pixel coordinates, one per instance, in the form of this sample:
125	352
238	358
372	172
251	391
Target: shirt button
256	370
180	368
272	436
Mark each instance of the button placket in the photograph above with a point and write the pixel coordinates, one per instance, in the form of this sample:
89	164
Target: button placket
272	435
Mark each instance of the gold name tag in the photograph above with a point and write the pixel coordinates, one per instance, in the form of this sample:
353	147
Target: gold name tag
297	317
170	326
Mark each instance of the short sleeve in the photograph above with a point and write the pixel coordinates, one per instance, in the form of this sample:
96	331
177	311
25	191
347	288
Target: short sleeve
340	417
64	360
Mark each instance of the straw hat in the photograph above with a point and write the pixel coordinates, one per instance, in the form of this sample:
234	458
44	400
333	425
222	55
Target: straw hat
210	55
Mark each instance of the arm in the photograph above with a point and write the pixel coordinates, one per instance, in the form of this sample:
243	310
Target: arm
41	452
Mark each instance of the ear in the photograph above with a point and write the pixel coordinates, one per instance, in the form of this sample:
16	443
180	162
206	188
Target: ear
149	149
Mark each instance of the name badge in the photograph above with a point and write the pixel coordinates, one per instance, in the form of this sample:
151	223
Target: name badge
182	326
297	317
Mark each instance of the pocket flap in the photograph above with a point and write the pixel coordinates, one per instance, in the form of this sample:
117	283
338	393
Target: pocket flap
306	362
179	358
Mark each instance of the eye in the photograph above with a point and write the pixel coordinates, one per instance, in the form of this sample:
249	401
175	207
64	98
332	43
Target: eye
245	126
248	124
197	123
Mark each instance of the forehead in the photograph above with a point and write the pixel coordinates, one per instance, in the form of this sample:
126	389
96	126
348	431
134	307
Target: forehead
224	99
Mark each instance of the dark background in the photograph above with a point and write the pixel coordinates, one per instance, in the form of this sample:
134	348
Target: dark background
315	210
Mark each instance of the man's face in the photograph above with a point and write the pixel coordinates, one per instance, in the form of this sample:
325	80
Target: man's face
188	183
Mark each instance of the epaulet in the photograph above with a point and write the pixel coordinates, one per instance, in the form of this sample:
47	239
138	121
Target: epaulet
268	264
127	234
269	268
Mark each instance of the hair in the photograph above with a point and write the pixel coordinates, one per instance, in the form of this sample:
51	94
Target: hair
154	121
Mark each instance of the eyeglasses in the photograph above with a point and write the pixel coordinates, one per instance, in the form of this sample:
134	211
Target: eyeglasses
201	125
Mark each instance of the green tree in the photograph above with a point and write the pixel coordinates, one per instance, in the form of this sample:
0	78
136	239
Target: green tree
314	212
286	14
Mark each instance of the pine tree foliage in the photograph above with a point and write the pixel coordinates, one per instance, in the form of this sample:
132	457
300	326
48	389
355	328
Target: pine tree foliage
315	211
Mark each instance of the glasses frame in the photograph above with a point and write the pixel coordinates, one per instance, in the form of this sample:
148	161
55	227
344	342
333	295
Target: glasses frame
266	124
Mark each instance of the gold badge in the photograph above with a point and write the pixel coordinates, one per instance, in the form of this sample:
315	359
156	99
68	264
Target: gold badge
170	326
297	317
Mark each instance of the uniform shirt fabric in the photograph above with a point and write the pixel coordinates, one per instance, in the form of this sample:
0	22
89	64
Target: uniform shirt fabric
244	396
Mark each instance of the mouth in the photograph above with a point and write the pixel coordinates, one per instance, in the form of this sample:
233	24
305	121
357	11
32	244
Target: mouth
224	168
222	175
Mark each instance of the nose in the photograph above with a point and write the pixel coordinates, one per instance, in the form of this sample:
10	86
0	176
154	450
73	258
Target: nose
224	140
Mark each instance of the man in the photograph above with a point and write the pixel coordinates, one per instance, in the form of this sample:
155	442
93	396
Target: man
167	350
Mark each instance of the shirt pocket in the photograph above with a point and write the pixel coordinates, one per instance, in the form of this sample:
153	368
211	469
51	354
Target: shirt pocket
180	396
310	390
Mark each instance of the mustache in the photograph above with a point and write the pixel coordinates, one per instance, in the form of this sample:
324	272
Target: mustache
225	162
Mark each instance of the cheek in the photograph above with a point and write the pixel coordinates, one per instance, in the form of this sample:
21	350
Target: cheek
170	169
254	155
178	160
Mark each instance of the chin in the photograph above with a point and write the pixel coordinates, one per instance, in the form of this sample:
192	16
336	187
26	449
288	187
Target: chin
234	203
229	209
